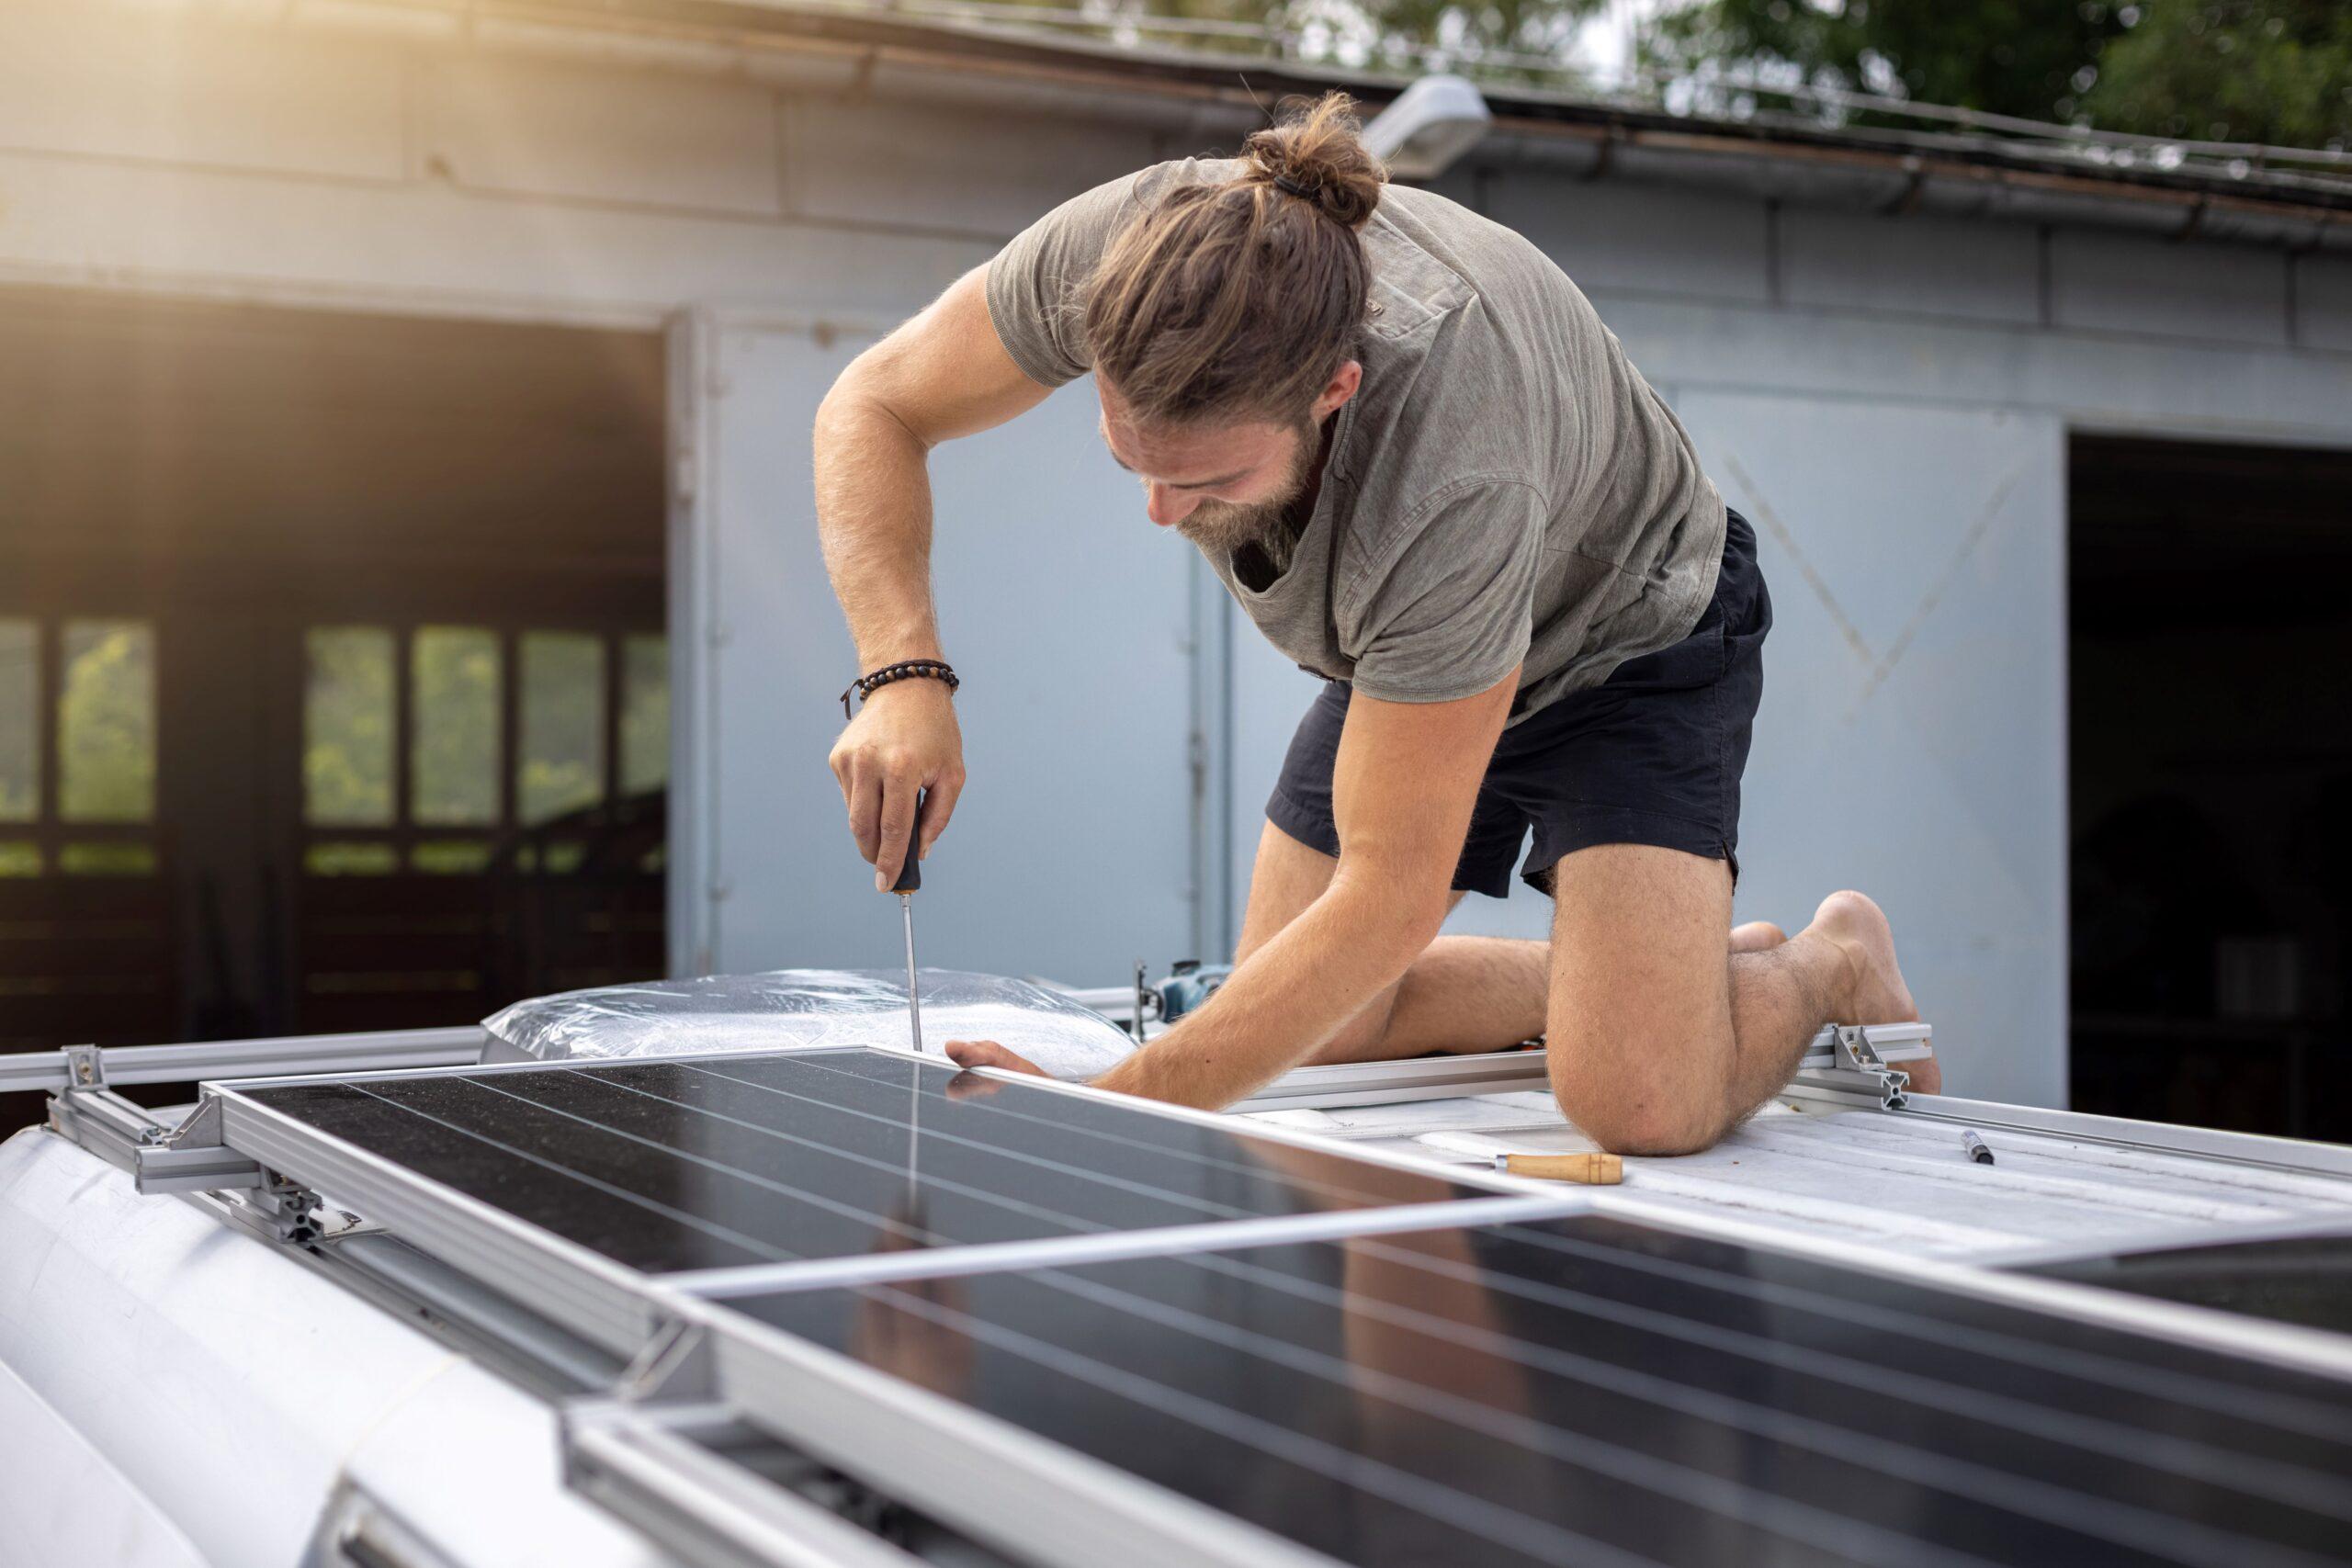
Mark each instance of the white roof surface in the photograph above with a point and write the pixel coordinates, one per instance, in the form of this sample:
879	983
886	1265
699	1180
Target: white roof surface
1886	1180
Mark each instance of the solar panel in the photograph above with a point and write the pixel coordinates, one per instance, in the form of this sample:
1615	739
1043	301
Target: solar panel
1579	1390
774	1163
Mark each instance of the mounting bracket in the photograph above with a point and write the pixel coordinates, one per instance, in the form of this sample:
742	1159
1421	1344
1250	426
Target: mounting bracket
1852	1056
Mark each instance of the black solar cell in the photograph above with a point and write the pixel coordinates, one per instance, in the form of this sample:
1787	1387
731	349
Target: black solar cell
666	1167
1591	1391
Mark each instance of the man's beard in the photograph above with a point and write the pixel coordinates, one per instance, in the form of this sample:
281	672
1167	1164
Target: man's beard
1223	527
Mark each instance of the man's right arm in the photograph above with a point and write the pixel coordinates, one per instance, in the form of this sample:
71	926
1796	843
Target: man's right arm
941	375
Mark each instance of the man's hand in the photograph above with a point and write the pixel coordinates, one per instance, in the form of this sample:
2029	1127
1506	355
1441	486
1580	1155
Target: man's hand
970	1053
903	741
988	1053
1403	789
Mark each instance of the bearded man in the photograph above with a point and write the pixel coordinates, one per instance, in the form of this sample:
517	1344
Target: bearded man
1406	444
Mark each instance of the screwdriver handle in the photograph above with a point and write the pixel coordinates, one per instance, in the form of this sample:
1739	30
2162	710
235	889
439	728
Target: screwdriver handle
1590	1169
910	874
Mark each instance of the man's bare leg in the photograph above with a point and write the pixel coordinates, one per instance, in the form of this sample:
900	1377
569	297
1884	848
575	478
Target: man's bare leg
1465	994
1661	1041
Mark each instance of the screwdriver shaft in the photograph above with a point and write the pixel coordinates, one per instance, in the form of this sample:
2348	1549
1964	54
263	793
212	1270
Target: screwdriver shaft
914	999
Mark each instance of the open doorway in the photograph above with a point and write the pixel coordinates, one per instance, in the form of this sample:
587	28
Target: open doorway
334	685
2210	795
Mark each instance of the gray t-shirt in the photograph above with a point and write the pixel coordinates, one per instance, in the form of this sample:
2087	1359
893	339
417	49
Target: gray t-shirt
1504	488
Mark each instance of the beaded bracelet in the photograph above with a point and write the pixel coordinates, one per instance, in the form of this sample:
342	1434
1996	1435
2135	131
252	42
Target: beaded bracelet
908	670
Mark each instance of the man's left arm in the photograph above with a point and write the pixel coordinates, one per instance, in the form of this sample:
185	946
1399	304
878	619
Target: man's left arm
1403	788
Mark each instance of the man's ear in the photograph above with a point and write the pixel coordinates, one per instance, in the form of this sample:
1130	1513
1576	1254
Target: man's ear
1341	387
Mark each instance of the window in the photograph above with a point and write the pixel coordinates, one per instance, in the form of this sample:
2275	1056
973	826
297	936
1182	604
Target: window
645	713
561	768
423	750
106	722
454	741
347	727
77	748
19	721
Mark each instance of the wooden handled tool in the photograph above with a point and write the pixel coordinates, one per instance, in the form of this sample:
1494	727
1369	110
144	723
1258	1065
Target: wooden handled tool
1594	1169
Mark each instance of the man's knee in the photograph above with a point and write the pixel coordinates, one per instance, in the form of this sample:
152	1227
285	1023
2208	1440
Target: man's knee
1631	1108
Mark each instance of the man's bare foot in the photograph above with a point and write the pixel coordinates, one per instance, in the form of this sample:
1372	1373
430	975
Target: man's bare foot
1875	992
1756	936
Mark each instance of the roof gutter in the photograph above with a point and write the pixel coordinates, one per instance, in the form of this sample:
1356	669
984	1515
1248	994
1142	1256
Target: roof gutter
821	48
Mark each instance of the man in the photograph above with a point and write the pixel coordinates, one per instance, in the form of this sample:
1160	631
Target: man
1408	447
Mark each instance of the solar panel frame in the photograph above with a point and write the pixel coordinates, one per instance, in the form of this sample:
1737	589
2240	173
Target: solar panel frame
963	1465
2283	1345
607	1301
602	1301
1041	1500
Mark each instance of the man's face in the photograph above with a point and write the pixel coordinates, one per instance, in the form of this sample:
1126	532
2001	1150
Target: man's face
1222	486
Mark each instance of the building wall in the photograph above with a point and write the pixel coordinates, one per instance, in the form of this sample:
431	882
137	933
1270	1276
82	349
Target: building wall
1886	396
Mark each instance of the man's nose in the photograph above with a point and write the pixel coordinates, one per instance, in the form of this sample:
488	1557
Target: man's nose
1165	507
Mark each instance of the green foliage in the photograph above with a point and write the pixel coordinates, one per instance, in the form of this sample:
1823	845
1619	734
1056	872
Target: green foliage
347	727
106	723
450	857
2278	72
2015	57
645	713
19	722
343	859
454	741
1381	35
562	726
107	859
2273	71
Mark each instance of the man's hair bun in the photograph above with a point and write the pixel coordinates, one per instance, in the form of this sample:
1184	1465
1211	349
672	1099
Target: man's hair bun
1241	299
1315	153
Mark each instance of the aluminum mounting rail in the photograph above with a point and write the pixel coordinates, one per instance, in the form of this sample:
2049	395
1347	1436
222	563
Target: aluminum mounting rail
667	1471
1505	1072
94	1066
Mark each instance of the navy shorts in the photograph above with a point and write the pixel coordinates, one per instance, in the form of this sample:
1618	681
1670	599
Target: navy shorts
1653	755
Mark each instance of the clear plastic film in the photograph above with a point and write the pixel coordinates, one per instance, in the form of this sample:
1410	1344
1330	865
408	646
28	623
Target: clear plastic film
786	1008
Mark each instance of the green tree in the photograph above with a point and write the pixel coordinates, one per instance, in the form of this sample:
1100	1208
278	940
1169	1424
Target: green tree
1386	35
2274	71
2013	57
2278	72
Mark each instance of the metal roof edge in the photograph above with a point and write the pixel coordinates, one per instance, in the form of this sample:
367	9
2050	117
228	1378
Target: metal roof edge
841	46
1244	81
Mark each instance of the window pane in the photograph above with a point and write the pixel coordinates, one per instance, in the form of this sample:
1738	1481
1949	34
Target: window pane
347	727
107	859
645	713
451	857
337	859
18	858
106	723
453	732
19	721
562	764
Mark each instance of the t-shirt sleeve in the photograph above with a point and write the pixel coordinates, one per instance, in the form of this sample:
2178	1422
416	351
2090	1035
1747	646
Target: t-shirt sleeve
1455	610
1034	283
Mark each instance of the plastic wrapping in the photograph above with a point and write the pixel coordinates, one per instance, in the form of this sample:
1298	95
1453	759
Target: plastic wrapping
786	1007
